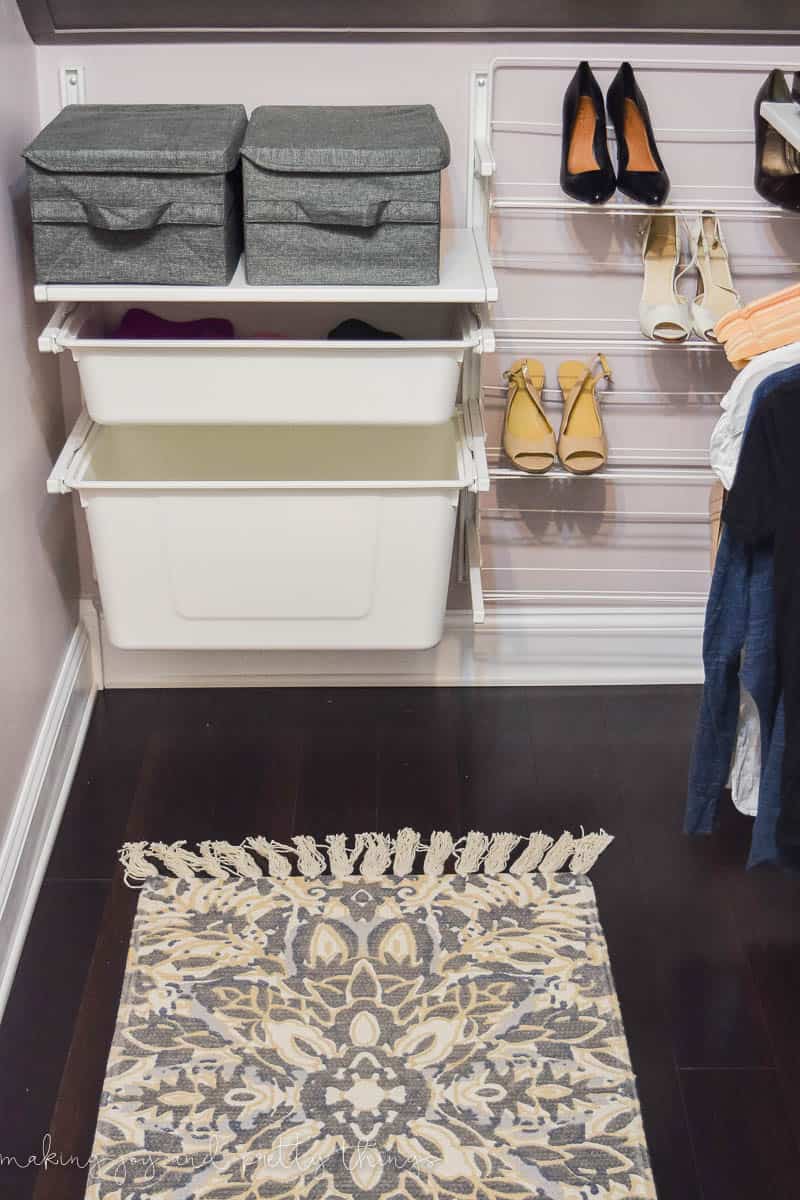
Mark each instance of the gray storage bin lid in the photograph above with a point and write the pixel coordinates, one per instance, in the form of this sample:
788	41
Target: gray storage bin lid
191	139
347	140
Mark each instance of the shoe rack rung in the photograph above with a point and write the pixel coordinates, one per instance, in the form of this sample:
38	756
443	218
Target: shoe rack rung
661	474
617	208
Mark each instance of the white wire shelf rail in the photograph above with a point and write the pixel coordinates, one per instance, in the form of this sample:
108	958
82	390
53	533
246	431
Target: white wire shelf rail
732	200
619	398
628	457
558	600
702	476
639	516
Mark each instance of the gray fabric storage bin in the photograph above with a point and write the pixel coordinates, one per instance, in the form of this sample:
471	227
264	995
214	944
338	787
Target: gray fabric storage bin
343	195
141	193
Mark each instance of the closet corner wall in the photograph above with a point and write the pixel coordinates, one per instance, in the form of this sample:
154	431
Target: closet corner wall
596	580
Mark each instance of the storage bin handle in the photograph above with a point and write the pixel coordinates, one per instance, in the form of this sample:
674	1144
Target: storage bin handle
116	217
365	215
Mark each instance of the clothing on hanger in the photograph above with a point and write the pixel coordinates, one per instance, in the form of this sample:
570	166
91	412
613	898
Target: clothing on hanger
716	501
764	508
764	325
744	779
742	688
726	443
726	439
738	645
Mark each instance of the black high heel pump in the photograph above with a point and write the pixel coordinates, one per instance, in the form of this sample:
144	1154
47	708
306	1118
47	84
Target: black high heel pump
586	171
640	171
777	169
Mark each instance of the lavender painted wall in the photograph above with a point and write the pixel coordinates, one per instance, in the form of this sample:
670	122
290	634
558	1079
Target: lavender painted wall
39	584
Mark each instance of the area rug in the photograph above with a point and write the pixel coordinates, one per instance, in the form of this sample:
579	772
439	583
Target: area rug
382	1036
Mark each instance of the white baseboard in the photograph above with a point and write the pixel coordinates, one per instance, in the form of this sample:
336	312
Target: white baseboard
25	850
533	646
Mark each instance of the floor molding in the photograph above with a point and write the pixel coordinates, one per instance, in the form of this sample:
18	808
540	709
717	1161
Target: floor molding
40	801
526	647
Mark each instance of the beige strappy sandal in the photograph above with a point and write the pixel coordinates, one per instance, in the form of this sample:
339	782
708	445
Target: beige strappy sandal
582	445
528	437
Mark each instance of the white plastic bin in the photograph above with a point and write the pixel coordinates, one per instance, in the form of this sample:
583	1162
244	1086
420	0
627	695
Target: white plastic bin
297	378
312	538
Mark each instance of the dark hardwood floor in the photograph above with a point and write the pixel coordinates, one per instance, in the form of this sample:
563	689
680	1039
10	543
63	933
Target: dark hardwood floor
706	956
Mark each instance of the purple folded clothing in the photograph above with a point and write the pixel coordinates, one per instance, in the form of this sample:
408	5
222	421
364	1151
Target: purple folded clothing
140	325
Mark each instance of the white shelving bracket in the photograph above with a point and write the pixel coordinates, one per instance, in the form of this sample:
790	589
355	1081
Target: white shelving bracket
49	341
473	565
72	85
476	329
56	480
485	165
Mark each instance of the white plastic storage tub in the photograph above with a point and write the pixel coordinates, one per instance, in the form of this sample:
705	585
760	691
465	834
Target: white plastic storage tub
258	538
286	373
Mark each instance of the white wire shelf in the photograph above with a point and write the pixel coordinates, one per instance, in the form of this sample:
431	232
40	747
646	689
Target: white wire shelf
577	599
639	516
665	134
580	263
628	457
520	340
703	476
618	208
620	398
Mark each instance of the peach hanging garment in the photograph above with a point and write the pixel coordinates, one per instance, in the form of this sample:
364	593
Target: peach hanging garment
766	324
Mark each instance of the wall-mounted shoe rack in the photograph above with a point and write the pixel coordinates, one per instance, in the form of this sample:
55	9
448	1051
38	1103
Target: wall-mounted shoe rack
532	228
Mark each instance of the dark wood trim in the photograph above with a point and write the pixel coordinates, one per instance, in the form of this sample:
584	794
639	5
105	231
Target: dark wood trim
66	21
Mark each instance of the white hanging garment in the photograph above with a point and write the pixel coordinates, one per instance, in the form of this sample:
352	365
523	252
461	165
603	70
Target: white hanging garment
726	439
746	762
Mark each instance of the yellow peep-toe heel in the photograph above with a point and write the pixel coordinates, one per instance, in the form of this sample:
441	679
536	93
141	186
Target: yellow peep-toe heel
528	437
582	445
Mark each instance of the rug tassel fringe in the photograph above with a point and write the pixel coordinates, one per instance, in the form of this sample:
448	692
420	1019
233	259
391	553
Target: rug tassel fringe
499	852
587	851
558	855
309	860
532	855
340	859
470	856
237	858
136	868
278	864
406	846
373	854
439	850
183	863
377	856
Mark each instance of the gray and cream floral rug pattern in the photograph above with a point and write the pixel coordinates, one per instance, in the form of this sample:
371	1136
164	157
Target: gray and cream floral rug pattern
420	1038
